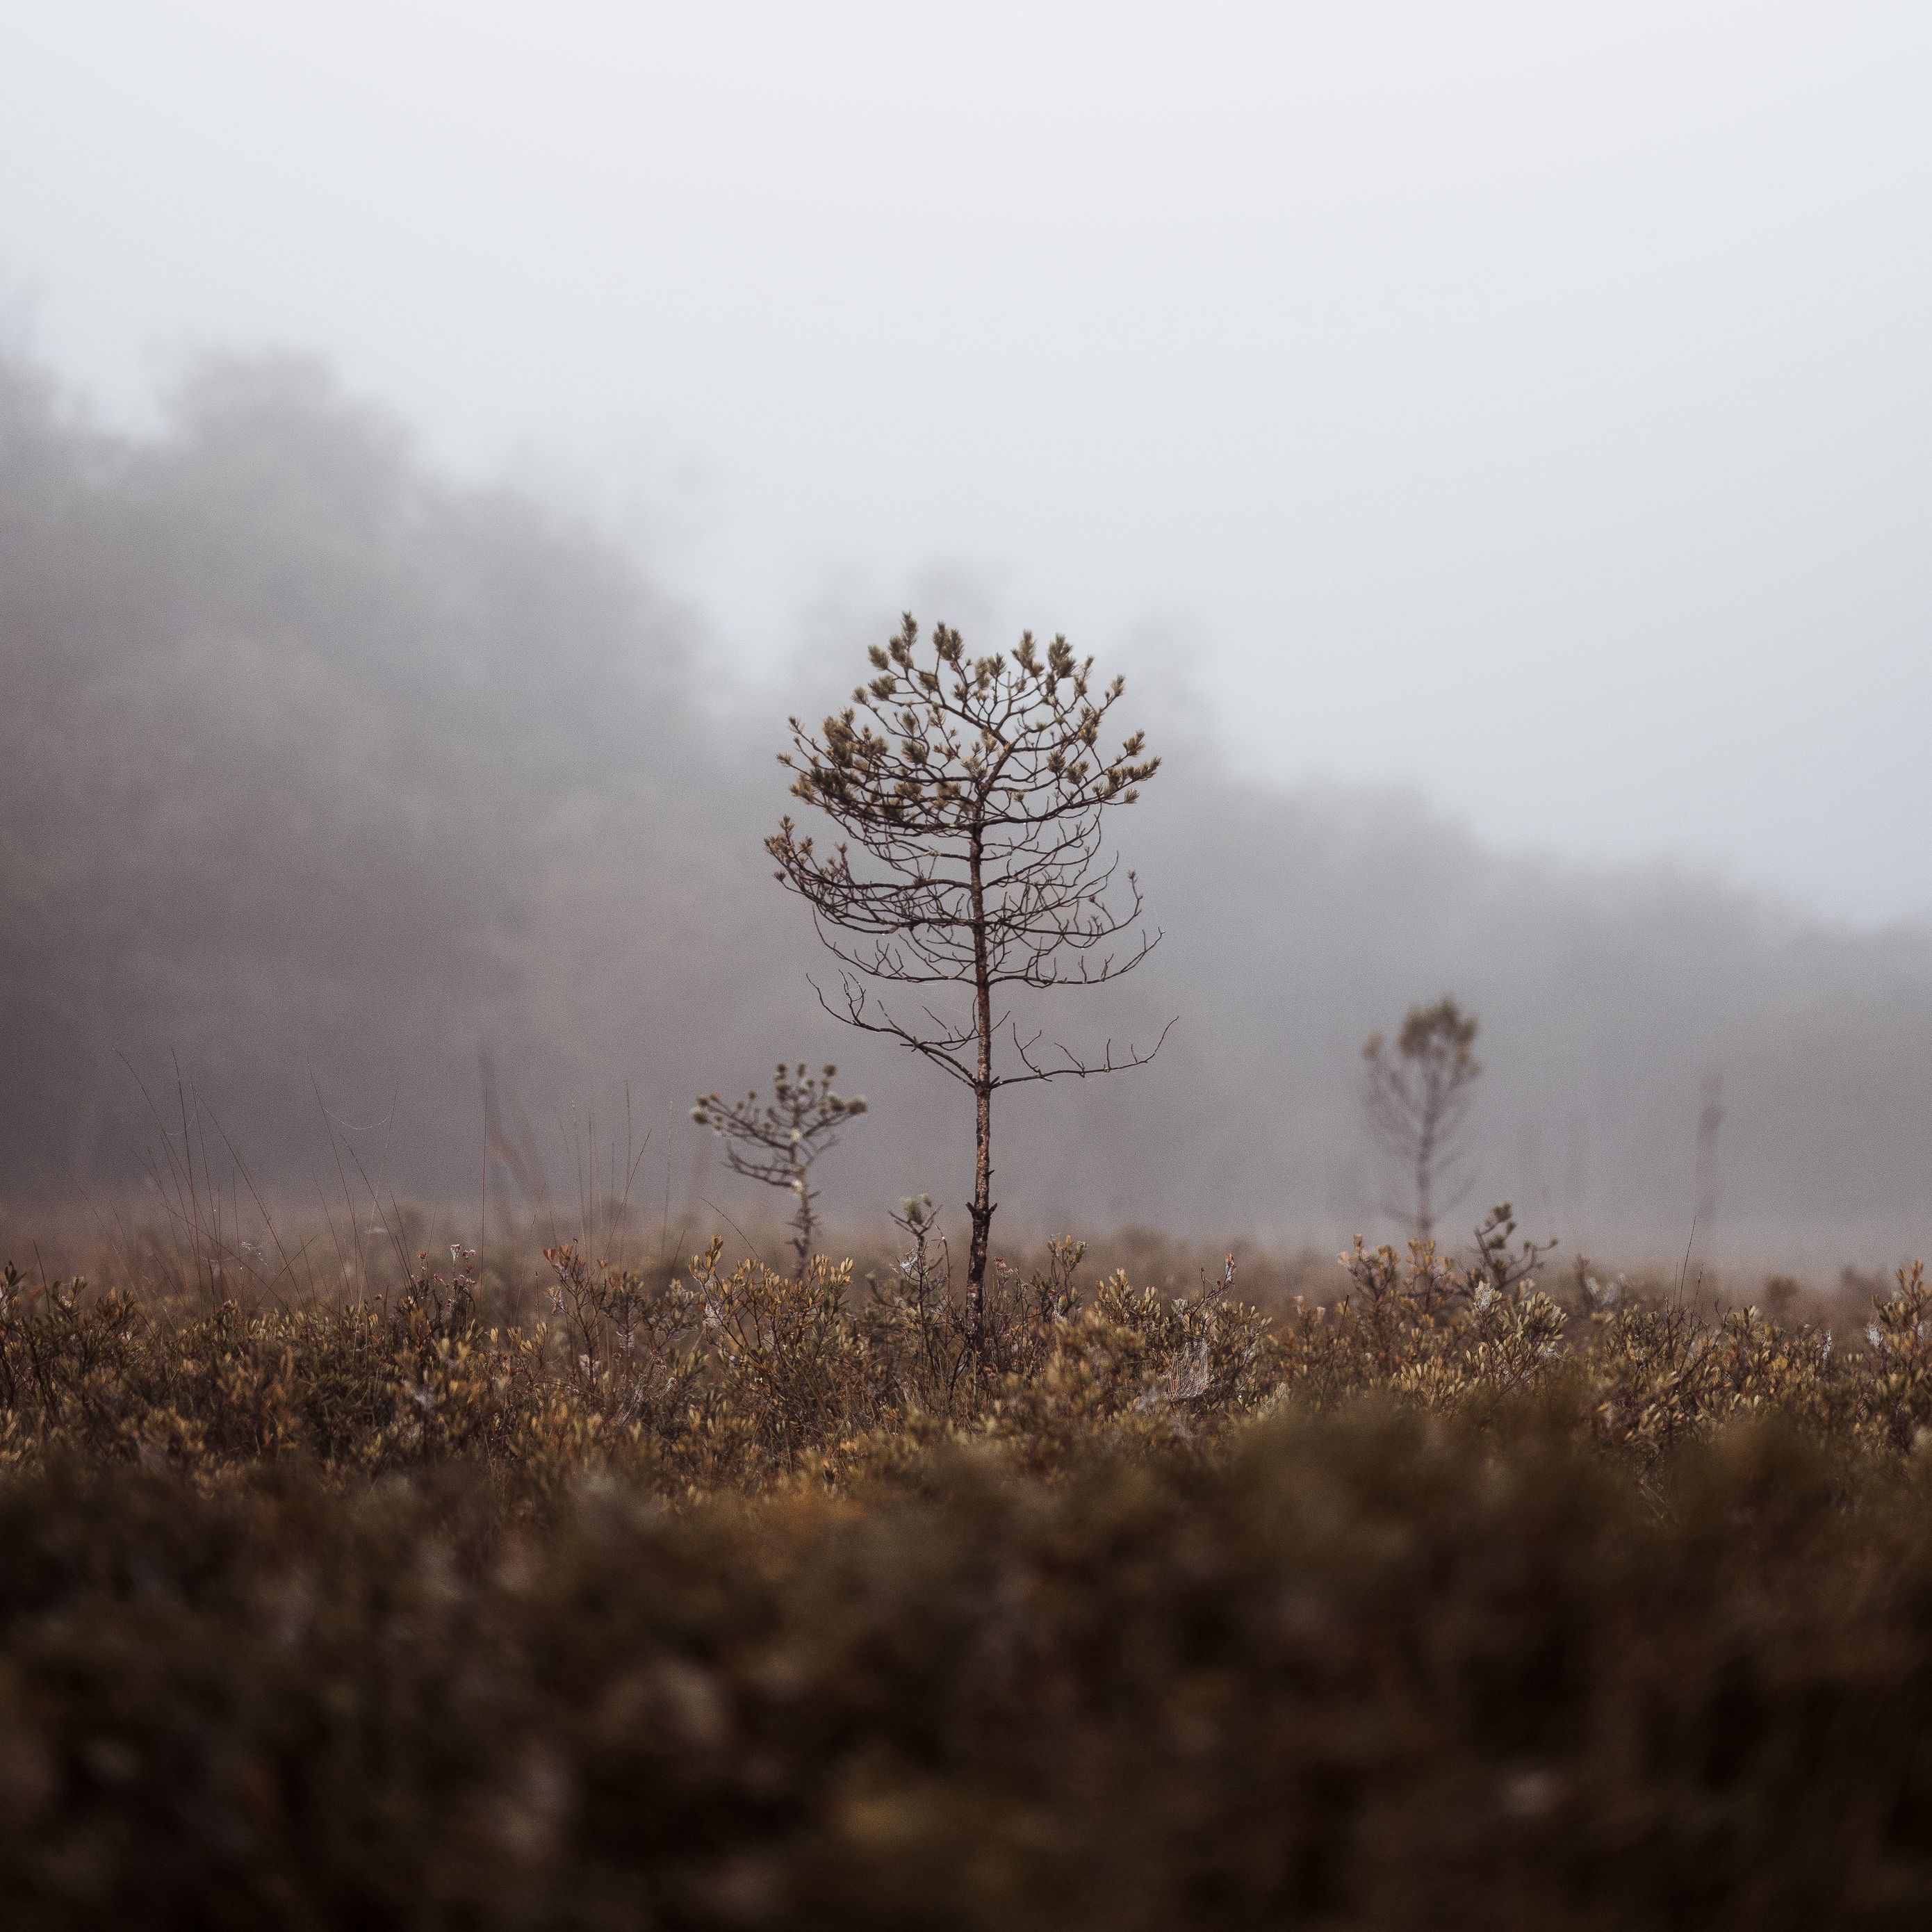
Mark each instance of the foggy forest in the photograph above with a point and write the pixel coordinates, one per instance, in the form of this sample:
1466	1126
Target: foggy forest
333	779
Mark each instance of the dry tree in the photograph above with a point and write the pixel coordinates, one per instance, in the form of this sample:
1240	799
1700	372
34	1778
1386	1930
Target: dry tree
777	1143
1417	1095
969	792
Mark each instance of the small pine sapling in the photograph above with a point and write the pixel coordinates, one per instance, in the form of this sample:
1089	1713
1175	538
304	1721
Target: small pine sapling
777	1142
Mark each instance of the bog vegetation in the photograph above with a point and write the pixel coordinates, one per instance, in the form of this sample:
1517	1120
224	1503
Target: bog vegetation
1473	1593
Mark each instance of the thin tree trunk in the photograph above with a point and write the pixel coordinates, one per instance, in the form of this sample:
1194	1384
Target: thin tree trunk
805	1224
982	1209
1425	1158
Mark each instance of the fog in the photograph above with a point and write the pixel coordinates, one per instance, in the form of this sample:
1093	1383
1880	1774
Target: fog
327	774
1481	394
441	445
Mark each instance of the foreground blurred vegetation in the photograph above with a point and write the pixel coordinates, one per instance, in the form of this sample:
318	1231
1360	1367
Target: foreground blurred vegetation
1472	1594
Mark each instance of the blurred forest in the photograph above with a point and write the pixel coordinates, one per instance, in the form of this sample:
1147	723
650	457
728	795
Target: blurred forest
327	777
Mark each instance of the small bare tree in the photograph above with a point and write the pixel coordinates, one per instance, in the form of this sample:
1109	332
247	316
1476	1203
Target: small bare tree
1417	1095
777	1143
970	791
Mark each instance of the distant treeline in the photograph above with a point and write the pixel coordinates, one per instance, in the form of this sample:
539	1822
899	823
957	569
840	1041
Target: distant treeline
326	776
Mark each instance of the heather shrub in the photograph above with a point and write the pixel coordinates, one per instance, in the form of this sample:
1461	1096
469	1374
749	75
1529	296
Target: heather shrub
740	1598
740	1377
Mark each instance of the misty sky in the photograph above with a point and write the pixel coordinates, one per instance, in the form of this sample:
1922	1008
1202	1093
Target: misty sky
1531	404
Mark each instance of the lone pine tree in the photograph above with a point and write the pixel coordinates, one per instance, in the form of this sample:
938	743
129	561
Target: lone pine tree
970	793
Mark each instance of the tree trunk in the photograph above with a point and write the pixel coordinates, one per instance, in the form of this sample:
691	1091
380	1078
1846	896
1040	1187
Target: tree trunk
981	1208
1425	1159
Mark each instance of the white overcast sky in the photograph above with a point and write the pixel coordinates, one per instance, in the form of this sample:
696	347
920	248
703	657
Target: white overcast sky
1531	402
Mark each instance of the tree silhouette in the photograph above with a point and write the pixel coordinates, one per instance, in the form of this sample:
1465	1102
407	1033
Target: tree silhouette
1417	1096
970	793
